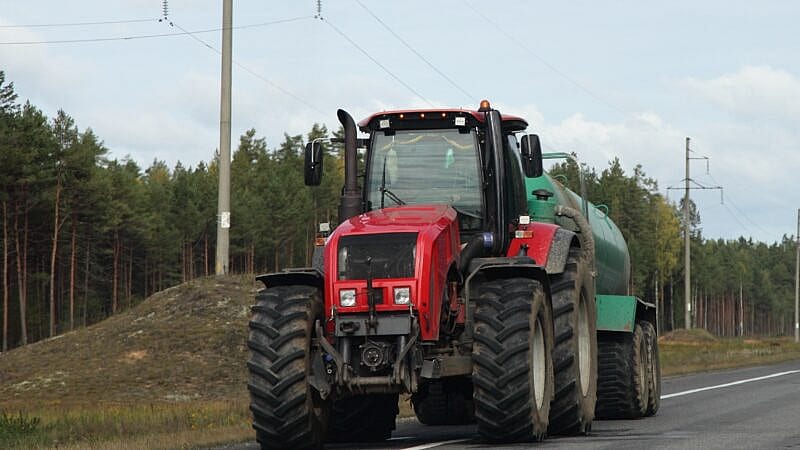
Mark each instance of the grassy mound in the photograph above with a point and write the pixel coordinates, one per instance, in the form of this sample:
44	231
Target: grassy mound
698	335
169	373
185	343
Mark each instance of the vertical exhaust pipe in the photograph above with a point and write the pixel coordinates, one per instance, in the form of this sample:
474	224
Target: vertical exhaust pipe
350	204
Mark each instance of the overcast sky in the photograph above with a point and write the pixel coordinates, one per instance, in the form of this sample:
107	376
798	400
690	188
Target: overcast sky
626	79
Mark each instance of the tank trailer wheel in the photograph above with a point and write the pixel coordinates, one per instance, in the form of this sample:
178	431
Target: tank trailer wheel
512	360
287	411
363	418
653	367
622	388
575	351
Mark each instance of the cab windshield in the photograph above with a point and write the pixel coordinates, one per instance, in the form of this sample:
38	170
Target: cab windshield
424	167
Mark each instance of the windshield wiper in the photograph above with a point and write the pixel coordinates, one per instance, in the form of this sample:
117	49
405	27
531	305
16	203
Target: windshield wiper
384	191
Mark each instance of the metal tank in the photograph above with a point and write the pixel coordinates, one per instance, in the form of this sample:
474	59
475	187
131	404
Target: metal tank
612	260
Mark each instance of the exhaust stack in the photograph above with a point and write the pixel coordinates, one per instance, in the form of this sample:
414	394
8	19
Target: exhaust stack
350	204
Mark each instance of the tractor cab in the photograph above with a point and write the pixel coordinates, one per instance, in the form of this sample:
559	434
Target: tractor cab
468	160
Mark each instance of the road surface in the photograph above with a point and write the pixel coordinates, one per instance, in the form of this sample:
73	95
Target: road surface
751	408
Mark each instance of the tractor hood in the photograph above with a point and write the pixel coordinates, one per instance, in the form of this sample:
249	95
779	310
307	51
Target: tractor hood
411	247
410	218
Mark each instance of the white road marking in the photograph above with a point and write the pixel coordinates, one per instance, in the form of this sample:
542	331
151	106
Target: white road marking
733	383
435	444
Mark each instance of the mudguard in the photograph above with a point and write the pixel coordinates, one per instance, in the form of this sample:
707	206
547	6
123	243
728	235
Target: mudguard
305	276
507	267
559	249
622	312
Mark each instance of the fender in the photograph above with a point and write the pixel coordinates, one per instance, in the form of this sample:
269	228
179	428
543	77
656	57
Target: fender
621	312
549	246
646	311
305	276
508	267
563	240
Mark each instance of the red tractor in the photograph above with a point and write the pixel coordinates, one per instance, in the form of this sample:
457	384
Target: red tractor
436	284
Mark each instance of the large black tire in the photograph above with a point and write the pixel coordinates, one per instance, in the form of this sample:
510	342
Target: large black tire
575	350
512	360
654	369
287	411
622	391
445	402
363	418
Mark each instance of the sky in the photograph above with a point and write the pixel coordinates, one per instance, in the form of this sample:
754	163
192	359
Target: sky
622	79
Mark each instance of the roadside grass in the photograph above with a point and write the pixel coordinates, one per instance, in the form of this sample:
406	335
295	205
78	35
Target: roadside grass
694	351
146	426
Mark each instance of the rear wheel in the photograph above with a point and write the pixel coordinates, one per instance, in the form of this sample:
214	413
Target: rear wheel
575	351
364	418
622	388
287	411
654	369
512	360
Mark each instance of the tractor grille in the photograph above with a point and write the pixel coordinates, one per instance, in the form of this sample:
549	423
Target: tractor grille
389	255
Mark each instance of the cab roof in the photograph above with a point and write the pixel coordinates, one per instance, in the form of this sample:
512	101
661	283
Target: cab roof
436	118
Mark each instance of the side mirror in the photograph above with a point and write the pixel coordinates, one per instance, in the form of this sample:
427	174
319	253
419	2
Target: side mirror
313	163
531	155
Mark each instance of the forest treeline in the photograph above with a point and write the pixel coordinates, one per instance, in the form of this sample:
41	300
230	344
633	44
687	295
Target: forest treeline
85	235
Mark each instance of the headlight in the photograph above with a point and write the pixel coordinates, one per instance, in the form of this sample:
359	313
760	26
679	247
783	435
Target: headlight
402	295
347	297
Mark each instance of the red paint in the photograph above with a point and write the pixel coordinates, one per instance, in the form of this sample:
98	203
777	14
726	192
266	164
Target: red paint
538	245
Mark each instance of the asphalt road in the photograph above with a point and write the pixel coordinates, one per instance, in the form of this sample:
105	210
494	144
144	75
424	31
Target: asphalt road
752	408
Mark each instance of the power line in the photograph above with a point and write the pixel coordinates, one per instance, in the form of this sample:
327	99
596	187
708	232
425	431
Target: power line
78	24
730	199
371	58
544	62
408	46
736	218
247	69
150	36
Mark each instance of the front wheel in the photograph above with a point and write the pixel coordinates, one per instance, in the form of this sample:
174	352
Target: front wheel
512	360
287	411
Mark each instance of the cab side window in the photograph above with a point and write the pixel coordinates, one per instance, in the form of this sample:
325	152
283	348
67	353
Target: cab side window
516	196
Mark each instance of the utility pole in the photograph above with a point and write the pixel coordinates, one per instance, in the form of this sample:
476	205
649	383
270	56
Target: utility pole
687	260
797	282
687	229
741	309
224	200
